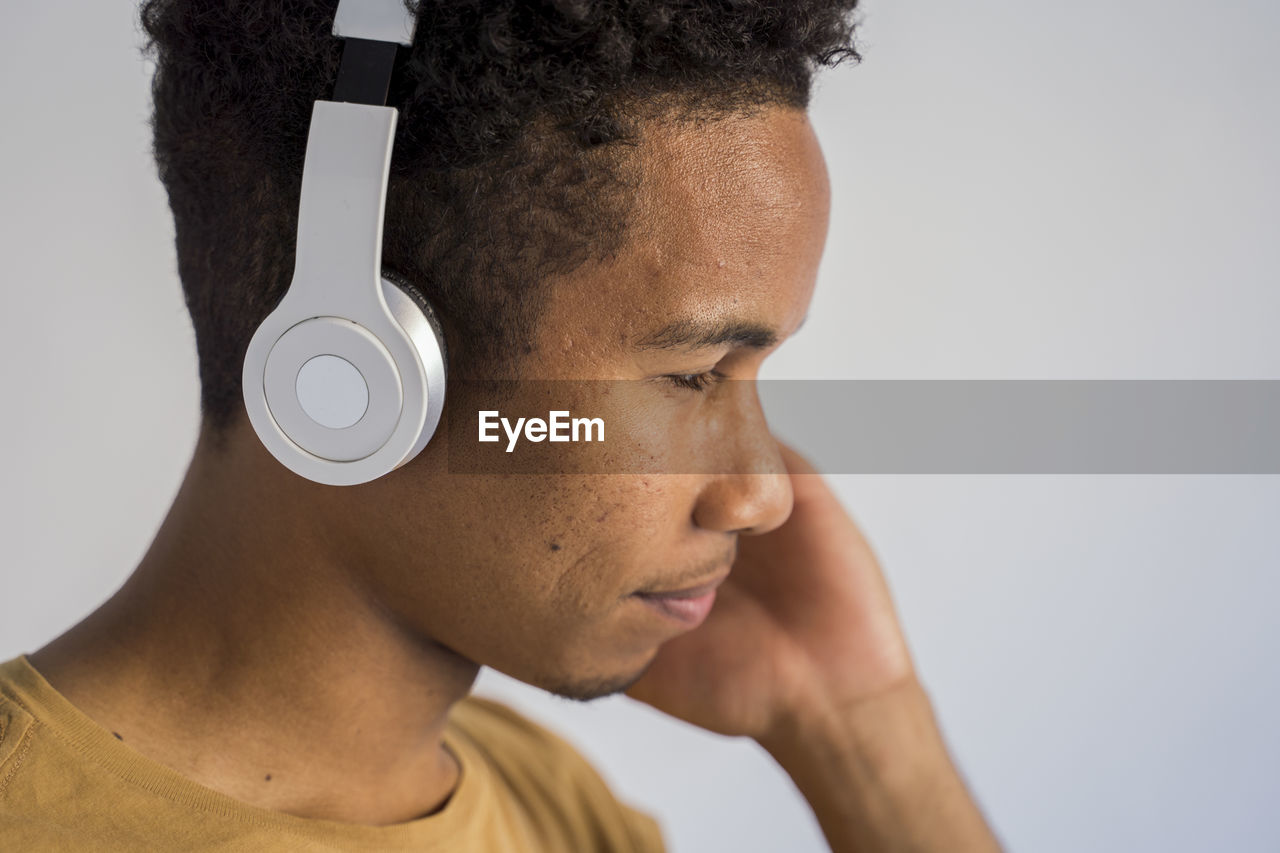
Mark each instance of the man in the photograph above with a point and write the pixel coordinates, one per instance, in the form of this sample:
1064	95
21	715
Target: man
621	192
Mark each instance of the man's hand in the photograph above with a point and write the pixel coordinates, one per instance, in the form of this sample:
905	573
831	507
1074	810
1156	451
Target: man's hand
803	652
803	622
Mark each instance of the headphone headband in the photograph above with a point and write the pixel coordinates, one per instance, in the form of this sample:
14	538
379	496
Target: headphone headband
341	386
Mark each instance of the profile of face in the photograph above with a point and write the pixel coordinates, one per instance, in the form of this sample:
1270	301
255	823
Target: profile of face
535	575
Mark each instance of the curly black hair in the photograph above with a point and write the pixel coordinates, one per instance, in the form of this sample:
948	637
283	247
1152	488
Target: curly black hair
510	161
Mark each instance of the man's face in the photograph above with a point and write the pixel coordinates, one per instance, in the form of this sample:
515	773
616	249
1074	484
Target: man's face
534	574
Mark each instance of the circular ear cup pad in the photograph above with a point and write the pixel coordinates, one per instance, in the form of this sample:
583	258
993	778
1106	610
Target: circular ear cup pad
420	300
415	315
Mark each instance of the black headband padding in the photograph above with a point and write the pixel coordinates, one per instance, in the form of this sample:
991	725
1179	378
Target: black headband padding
364	77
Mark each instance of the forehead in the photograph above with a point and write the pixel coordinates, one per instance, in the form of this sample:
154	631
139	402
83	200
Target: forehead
729	224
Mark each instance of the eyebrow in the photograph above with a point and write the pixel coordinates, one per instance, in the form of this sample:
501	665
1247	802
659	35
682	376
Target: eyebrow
690	334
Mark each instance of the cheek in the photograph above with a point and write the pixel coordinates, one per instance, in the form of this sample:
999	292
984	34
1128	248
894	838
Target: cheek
603	536
565	546
530	574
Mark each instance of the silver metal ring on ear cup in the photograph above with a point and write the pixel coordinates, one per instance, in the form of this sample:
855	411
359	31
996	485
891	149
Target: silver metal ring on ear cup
420	299
417	318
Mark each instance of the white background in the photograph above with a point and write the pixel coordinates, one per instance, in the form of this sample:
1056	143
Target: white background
1022	189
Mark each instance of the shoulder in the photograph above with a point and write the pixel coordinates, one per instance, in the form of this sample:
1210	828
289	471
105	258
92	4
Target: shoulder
553	779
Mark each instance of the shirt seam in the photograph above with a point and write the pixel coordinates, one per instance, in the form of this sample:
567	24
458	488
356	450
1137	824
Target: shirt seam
19	753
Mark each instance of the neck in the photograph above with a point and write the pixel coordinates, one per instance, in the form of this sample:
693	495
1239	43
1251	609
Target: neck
245	653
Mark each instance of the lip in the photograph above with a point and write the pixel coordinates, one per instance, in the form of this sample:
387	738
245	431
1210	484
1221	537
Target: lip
688	606
689	591
689	612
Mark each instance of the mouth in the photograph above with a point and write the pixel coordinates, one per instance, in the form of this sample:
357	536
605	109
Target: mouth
688	606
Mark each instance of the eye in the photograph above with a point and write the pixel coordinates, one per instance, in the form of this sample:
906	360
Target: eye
695	381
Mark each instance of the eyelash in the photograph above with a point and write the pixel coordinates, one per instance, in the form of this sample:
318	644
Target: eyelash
695	381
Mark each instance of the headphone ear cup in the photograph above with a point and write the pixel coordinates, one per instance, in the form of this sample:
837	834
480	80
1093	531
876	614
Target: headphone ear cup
419	299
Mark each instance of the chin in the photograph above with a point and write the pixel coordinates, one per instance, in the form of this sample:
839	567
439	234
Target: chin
585	688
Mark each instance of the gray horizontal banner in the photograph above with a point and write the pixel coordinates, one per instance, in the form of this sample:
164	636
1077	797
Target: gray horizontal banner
867	426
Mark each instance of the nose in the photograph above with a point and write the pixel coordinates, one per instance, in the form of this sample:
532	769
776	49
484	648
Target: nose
750	492
745	503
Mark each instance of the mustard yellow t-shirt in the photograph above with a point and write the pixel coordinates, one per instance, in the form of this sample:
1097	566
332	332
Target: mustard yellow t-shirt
67	784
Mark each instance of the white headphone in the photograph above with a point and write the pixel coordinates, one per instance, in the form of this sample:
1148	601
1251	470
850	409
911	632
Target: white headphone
344	381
